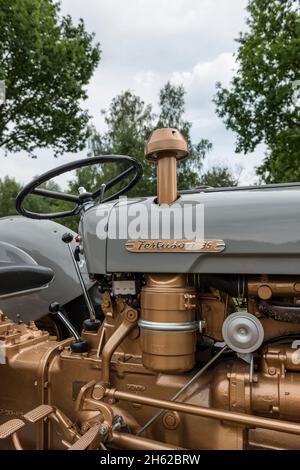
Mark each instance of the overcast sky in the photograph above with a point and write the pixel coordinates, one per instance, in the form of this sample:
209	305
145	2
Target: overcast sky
147	42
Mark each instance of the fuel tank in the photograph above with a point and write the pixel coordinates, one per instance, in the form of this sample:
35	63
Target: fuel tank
40	241
21	282
260	228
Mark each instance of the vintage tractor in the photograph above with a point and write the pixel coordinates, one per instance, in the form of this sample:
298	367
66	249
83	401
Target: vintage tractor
198	346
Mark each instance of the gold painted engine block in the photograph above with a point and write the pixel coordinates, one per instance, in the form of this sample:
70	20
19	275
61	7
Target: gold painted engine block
107	398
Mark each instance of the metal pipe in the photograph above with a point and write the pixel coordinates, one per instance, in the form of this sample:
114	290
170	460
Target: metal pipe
182	389
238	418
280	311
166	178
114	341
165	146
16	441
68	325
130	442
83	287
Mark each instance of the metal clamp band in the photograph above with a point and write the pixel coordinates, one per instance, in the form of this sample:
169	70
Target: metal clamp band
163	326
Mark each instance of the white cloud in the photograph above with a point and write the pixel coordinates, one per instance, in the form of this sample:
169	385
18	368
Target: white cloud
146	78
159	17
220	68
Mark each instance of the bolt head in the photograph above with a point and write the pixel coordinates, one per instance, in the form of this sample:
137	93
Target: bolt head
103	429
67	237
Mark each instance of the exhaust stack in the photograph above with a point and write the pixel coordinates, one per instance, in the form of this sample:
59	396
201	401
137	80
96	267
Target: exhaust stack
165	146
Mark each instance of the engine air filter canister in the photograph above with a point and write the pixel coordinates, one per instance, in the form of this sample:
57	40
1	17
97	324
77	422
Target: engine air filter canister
168	324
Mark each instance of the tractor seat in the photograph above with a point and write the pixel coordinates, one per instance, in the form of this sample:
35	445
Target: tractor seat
15	279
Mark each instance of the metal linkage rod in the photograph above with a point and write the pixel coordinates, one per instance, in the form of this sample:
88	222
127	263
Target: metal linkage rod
182	390
67	238
251	421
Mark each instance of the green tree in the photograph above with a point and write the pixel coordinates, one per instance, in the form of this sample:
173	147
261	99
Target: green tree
172	109
9	189
44	205
260	105
218	177
46	61
129	122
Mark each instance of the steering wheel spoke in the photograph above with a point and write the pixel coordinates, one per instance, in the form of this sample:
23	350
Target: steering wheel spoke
134	168
113	182
56	195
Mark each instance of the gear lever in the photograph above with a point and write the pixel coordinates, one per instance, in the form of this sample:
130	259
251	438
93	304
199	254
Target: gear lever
78	346
92	323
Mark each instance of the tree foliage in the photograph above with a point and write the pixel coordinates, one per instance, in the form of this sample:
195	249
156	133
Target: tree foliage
260	105
9	189
129	122
218	177
46	61
172	109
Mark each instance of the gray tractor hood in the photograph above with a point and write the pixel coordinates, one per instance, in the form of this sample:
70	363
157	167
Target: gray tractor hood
259	226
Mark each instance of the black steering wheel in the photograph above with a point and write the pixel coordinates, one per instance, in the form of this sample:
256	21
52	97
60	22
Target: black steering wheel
134	168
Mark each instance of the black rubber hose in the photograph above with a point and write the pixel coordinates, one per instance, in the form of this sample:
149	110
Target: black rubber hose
280	311
234	285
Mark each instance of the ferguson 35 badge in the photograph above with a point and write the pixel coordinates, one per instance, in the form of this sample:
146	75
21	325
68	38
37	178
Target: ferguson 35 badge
178	246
